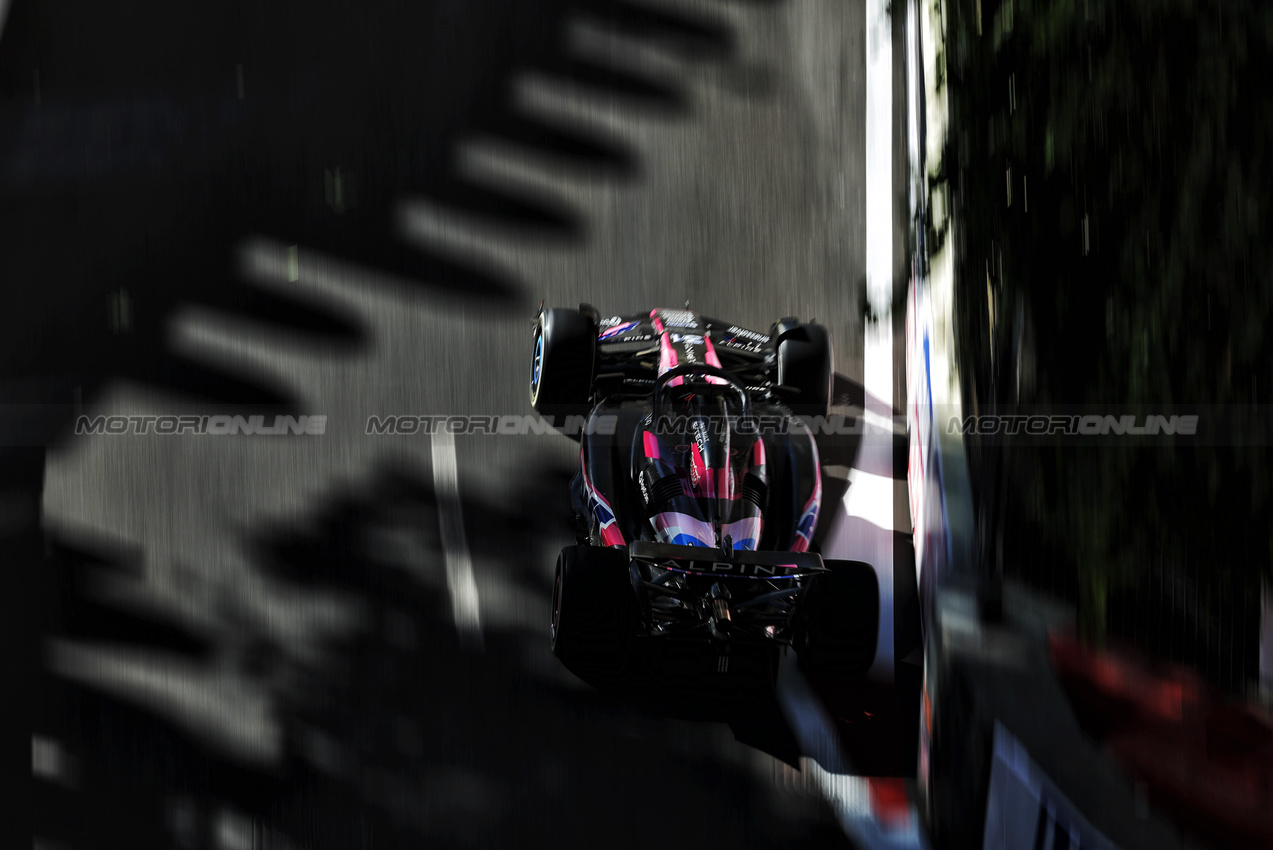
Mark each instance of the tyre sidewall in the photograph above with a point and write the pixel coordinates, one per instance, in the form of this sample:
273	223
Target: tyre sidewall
806	362
565	350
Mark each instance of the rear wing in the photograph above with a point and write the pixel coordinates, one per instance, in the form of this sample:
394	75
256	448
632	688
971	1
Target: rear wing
738	563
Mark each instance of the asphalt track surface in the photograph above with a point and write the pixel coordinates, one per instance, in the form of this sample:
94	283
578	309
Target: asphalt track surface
353	209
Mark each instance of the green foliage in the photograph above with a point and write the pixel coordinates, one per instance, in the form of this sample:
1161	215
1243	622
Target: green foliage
1151	121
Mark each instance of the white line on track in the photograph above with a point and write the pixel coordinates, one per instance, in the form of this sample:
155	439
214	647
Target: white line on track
912	104
864	531
459	565
873	499
879	169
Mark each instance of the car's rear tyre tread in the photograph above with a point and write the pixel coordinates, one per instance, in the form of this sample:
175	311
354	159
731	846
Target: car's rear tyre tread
838	623
595	612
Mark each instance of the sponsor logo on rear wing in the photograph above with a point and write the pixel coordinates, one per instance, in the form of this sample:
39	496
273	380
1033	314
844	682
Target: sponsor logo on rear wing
702	560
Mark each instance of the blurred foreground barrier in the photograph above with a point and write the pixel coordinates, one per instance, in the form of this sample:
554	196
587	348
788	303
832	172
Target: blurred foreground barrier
1003	762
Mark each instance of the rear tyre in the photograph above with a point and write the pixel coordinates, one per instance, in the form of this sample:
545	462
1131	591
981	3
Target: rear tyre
563	359
594	613
838	621
805	364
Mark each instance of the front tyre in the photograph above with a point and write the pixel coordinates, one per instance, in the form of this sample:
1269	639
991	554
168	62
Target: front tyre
563	360
805	364
594	613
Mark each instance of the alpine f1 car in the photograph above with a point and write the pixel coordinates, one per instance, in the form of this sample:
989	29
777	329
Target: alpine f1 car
696	501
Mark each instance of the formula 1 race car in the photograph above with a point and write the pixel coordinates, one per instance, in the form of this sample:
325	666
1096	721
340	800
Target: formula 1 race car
696	501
